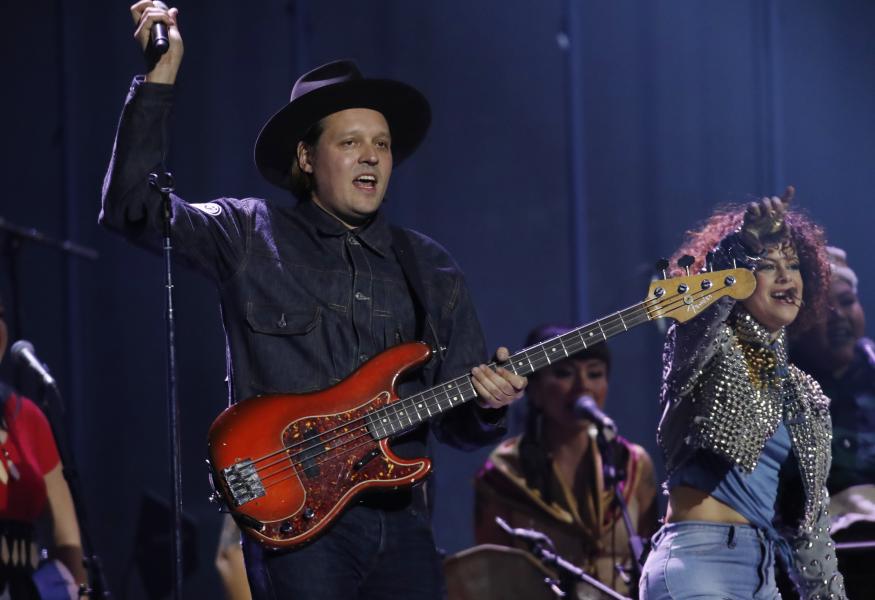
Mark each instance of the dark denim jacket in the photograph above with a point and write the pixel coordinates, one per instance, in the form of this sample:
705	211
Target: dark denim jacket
304	301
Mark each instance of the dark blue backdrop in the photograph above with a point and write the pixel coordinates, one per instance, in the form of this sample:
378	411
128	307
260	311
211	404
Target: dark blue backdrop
573	142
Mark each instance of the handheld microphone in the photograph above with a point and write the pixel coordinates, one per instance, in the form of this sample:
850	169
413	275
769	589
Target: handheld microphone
22	352
586	408
159	41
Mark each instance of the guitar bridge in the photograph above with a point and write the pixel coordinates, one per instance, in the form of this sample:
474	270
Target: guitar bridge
243	482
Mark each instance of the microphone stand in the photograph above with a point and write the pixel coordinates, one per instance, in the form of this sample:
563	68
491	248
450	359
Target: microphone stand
34	235
52	405
613	475
542	548
164	184
860	546
16	234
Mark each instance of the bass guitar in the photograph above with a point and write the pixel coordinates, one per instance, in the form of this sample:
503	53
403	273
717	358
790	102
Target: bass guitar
286	465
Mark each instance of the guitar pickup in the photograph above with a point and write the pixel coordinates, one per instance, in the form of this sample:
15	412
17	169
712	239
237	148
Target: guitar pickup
366	459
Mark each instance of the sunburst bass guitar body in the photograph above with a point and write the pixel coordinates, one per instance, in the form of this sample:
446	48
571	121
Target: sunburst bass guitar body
292	470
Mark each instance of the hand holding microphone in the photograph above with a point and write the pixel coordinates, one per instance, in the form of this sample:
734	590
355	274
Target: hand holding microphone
159	42
158	34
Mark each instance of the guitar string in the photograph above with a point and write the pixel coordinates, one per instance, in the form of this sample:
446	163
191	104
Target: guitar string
296	460
387	409
291	464
434	395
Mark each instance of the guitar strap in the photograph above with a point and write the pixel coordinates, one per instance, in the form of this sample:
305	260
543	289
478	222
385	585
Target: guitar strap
407	259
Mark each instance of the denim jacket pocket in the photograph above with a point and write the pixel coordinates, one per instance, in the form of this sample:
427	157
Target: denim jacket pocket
274	320
284	344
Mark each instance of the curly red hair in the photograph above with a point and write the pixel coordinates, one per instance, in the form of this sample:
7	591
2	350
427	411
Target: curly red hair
806	236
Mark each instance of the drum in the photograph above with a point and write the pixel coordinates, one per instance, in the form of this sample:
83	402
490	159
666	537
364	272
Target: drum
491	572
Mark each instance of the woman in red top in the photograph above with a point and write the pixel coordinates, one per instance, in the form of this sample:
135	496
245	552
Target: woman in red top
31	485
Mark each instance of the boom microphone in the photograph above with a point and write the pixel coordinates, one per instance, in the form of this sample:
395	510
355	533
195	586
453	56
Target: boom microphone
532	536
22	352
586	408
868	348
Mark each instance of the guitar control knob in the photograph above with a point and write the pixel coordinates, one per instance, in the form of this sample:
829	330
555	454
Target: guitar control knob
309	513
730	280
706	284
286	527
682	288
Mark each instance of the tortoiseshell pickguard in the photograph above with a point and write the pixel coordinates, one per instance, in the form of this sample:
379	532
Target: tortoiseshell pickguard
334	456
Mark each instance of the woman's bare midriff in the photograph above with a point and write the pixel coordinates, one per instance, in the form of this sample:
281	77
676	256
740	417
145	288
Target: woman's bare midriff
689	504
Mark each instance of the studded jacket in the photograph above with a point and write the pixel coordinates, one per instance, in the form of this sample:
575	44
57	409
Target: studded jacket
726	387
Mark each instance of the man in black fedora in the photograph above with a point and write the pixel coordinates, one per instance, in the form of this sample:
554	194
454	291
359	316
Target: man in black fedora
309	293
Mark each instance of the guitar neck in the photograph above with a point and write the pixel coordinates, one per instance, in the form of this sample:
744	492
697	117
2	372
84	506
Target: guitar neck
410	412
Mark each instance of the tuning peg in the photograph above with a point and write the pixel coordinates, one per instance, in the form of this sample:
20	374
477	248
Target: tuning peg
685	261
662	265
709	261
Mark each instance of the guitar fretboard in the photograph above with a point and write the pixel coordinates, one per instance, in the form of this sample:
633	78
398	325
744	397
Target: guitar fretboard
410	412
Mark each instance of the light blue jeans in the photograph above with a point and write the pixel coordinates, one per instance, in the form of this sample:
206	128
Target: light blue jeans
709	561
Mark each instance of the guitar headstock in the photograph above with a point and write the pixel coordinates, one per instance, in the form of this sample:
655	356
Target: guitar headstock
682	298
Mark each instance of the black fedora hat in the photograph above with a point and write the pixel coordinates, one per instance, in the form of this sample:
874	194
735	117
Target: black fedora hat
333	87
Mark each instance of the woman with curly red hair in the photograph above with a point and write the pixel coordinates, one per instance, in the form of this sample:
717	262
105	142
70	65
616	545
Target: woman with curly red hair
745	434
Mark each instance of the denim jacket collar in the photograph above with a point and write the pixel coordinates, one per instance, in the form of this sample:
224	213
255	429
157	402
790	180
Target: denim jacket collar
375	234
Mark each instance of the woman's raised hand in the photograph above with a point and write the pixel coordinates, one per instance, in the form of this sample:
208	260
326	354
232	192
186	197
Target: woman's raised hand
764	221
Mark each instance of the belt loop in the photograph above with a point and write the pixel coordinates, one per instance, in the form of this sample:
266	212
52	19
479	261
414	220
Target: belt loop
767	559
657	537
730	541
